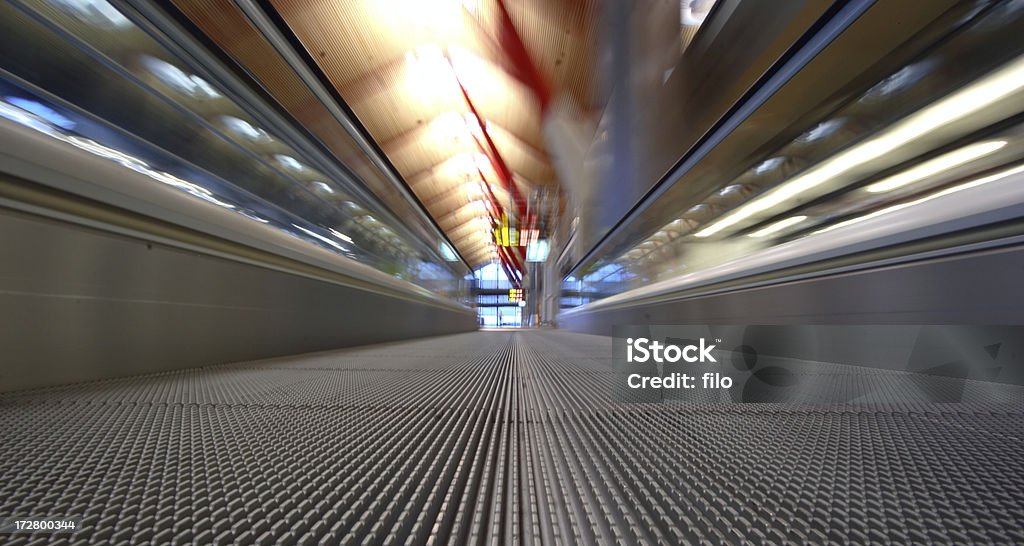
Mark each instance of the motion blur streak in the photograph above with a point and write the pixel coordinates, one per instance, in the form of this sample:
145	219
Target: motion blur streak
376	272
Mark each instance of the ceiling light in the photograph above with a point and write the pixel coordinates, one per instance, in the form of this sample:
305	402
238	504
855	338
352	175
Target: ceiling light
174	77
733	188
960	187
449	126
779	226
478	76
447	253
936	165
96	12
998	85
768	165
701	212
322	186
903	79
245	129
288	162
822	130
429	76
341	236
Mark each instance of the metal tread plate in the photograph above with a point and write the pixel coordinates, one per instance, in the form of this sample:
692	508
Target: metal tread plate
494	438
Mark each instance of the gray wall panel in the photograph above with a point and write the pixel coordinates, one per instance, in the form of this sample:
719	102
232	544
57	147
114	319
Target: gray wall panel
983	289
79	304
977	288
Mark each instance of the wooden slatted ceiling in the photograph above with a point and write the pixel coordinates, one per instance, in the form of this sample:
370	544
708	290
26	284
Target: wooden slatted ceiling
387	59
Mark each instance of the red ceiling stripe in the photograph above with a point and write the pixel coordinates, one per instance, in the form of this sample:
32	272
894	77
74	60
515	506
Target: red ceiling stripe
491	150
523	67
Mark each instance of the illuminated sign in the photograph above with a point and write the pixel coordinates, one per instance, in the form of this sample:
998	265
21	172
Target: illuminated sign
537	251
515	294
506	235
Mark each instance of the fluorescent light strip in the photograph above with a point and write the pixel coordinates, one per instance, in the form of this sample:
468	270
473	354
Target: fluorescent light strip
779	226
936	165
998	85
341	236
320	237
966	185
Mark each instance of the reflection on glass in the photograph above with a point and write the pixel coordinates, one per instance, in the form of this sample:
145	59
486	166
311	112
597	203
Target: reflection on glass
289	162
149	111
245	129
47	115
900	81
931	127
95	12
189	84
935	166
822	130
322	187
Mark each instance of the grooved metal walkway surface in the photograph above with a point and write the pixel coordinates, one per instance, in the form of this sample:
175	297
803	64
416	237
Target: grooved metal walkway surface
498	438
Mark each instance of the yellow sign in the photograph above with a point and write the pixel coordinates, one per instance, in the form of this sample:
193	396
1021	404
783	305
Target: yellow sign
506	235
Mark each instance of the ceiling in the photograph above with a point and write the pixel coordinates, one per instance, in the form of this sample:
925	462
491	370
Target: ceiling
401	67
